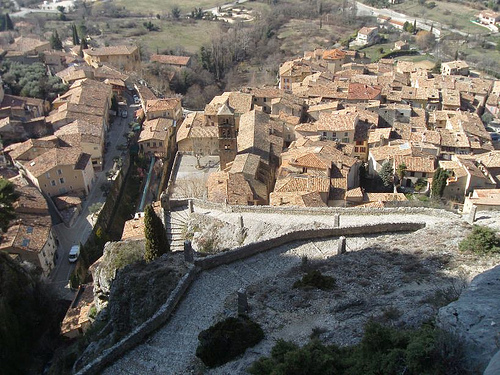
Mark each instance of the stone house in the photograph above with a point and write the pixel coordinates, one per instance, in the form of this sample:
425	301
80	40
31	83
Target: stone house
29	237
60	171
339	126
417	167
125	58
169	108
172	60
157	137
483	200
457	67
196	135
87	136
291	72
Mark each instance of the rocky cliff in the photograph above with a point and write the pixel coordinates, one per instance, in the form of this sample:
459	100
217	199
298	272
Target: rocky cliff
475	317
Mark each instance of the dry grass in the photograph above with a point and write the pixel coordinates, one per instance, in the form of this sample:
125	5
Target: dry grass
452	14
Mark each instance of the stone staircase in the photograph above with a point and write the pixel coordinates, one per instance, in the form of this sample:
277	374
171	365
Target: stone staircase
176	220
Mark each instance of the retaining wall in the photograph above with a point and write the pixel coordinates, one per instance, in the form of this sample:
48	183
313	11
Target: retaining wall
314	210
200	264
145	329
246	251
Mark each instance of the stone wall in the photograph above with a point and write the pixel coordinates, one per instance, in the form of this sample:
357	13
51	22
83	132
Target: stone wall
145	329
317	210
200	264
301	235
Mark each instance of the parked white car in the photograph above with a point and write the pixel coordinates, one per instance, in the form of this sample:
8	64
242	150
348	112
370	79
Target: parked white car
74	253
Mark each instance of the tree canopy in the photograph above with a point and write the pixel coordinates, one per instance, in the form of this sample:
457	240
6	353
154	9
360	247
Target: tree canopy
386	173
8	196
31	80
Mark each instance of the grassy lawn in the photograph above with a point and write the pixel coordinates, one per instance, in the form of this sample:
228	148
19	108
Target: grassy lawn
373	52
189	36
454	15
165	6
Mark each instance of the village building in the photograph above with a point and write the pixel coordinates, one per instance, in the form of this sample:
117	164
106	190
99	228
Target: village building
171	60
29	237
87	136
455	68
125	58
59	171
367	36
489	17
198	136
157	137
483	200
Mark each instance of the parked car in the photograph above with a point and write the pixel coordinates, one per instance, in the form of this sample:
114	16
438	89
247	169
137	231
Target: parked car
74	253
136	99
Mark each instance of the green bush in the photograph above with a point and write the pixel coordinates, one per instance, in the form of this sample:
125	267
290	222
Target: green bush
316	280
227	339
481	240
383	350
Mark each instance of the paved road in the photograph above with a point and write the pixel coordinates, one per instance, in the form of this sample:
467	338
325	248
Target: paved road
82	227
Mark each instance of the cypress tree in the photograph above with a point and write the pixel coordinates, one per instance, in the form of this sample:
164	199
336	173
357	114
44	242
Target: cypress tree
439	183
156	236
76	40
55	41
8	22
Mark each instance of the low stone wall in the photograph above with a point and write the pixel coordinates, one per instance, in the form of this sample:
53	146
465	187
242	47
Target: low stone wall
145	329
322	210
246	251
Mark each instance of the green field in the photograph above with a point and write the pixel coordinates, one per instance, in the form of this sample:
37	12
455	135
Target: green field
454	15
165	6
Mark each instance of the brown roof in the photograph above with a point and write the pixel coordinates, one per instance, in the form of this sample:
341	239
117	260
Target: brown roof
224	186
195	126
155	129
57	157
114	50
162	104
336	121
171	59
416	163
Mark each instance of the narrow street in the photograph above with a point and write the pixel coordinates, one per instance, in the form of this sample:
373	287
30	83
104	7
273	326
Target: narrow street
82	227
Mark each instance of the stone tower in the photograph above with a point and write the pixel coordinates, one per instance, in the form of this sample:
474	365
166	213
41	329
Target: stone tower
227	136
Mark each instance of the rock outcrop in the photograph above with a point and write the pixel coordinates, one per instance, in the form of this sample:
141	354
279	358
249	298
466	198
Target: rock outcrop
475	317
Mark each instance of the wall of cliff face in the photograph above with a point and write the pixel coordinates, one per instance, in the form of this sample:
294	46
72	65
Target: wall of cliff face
475	317
29	316
128	291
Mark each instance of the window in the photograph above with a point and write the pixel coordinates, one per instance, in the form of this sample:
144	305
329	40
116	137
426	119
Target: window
53	182
148	144
334	134
154	144
160	144
59	172
424	174
362	149
265	100
324	134
61	180
356	149
412	174
346	134
47	175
